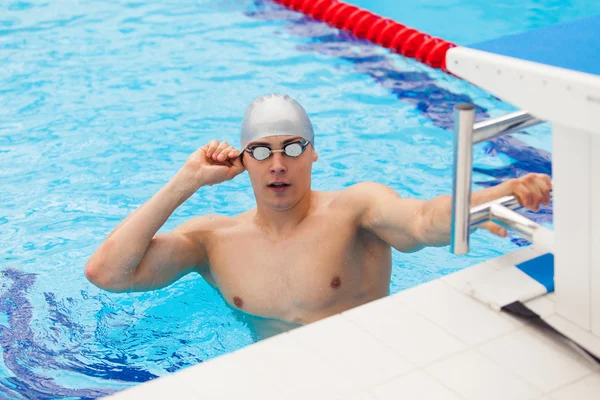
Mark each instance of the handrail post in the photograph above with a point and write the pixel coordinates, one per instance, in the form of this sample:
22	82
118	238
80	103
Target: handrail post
466	134
464	117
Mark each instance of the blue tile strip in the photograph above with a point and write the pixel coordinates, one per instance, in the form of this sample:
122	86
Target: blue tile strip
571	45
541	269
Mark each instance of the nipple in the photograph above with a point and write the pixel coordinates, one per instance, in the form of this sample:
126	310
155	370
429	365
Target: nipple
336	282
239	303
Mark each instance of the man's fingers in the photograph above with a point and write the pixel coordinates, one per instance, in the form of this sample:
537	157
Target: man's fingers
532	190
547	182
544	184
233	153
533	184
225	153
495	229
237	167
522	194
541	186
222	146
211	147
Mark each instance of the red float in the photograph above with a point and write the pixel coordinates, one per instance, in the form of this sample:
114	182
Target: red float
401	37
341	15
412	44
353	19
331	10
383	31
387	34
318	9
376	27
361	28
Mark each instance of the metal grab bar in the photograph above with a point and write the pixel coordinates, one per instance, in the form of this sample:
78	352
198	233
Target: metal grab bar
502	211
481	213
496	127
463	217
464	115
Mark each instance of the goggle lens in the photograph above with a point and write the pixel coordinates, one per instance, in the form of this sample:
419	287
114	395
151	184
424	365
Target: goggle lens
261	153
295	149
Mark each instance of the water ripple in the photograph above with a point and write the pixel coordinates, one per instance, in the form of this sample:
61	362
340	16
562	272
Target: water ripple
98	113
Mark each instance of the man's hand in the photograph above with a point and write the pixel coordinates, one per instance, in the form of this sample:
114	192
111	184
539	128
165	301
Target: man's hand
531	191
214	163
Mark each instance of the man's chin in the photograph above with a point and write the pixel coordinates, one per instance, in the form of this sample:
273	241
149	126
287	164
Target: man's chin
281	205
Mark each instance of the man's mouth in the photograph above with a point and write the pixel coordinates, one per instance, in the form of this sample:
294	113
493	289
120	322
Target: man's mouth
278	186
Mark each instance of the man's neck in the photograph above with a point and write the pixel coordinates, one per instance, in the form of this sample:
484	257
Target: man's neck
282	222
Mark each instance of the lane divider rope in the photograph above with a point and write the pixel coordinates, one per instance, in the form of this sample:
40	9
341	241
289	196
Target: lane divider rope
385	32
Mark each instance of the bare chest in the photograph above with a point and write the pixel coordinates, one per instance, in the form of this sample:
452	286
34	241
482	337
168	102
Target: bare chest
293	278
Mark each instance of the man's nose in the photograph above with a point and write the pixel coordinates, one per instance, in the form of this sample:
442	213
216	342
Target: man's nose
277	163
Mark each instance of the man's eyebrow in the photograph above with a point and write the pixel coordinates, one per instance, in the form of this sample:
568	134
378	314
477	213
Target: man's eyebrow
259	144
294	139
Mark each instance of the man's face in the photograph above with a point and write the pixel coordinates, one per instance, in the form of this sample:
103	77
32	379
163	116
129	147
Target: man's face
280	181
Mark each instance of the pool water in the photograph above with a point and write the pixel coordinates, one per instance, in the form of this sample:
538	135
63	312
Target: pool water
466	22
102	102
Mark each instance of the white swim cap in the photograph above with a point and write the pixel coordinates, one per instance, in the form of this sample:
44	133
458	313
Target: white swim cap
275	115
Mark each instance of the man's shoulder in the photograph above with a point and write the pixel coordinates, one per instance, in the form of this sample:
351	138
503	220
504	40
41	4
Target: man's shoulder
210	223
355	198
360	192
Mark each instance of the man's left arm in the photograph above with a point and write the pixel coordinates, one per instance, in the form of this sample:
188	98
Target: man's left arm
410	224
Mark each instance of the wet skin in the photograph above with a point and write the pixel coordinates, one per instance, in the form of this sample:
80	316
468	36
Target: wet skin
325	266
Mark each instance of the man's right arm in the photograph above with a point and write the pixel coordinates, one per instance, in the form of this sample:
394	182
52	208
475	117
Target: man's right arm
133	257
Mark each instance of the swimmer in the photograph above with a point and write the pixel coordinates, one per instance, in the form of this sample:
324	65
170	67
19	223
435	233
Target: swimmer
300	255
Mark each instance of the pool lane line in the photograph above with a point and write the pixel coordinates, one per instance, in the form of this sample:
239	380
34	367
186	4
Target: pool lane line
384	32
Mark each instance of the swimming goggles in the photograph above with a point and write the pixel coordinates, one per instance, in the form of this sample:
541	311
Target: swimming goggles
293	149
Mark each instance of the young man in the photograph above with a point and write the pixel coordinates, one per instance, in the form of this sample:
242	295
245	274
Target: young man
300	255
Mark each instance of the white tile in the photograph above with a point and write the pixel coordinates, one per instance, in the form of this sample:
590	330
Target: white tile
475	377
359	396
507	286
571	153
537	359
214	381
275	368
519	256
461	280
595	238
415	386
458	314
403	329
543	248
551	296
157	389
587	388
210	379
293	369
542	306
353	351
580	336
497	283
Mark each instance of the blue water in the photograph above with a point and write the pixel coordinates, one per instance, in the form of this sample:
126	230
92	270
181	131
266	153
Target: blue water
471	21
102	102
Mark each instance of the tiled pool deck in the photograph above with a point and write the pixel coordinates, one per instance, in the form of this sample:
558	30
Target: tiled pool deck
445	339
